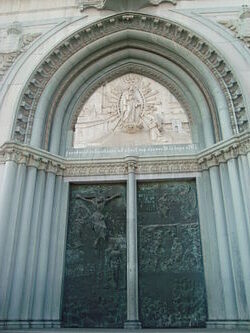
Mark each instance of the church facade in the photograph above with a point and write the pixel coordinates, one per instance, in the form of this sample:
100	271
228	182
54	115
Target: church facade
125	164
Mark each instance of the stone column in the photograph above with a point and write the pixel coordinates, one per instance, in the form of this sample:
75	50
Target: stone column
60	253
53	247
248	159
6	195
212	267
223	246
28	289
44	251
244	172
22	244
132	251
240	299
8	206
242	230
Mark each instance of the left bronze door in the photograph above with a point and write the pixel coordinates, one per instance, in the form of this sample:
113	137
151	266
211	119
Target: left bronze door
96	257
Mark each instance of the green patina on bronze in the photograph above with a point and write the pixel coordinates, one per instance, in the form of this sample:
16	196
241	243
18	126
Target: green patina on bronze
95	276
171	280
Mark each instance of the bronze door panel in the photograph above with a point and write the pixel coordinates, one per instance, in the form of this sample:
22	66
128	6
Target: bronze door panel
171	281
95	273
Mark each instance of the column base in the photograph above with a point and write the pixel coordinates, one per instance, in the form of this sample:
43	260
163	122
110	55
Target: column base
132	325
23	324
228	324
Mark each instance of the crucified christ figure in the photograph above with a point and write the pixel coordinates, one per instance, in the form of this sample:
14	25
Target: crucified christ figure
98	218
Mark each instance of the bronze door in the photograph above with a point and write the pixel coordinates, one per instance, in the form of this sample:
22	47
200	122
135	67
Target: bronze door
171	280
95	267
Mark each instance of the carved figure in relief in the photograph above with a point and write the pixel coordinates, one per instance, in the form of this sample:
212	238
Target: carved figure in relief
131	106
130	110
98	218
114	260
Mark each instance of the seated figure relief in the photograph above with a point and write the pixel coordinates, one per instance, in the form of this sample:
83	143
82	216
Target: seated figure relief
131	110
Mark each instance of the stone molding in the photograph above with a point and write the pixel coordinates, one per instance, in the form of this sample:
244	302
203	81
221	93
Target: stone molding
42	160
225	151
120	22
21	154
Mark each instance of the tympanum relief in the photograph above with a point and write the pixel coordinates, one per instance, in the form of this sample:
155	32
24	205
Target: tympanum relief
131	110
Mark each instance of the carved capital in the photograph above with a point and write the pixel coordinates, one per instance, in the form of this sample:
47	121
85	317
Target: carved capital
33	161
10	155
23	158
131	164
227	151
52	167
43	164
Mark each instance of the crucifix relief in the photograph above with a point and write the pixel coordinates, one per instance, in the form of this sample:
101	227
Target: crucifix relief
98	217
145	268
95	277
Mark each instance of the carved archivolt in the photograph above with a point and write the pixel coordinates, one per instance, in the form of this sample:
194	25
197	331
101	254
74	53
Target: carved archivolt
151	24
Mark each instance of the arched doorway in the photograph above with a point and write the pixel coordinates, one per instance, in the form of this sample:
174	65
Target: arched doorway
40	165
119	272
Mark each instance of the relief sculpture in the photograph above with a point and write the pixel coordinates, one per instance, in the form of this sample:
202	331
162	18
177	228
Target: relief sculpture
98	218
131	110
95	274
172	288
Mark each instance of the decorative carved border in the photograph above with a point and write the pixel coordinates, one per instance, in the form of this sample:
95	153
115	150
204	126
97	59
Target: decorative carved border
22	154
42	160
135	21
224	152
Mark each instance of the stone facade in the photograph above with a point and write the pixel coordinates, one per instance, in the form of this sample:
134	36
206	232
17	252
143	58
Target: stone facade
122	91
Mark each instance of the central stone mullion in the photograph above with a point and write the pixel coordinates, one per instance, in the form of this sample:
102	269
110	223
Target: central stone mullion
132	250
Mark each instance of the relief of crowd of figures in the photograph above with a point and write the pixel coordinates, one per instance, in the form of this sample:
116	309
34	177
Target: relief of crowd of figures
171	281
172	288
95	277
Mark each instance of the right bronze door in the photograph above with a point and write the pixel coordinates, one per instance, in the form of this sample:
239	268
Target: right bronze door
171	280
